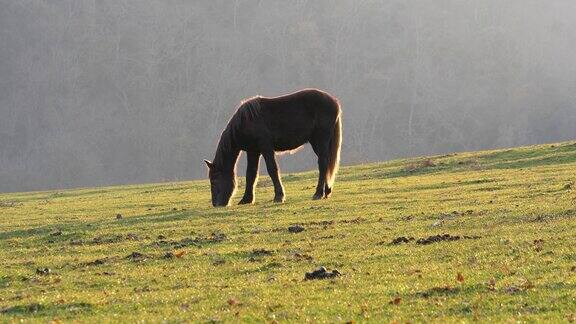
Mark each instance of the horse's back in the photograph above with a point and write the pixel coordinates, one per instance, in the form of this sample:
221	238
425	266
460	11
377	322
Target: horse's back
306	99
301	107
292	119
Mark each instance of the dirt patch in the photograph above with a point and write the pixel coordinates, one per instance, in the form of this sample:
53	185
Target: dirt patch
541	218
469	162
6	204
406	218
435	291
323	223
261	252
136	257
258	254
401	240
76	242
98	262
43	271
519	287
213	238
538	245
169	255
172	255
444	237
303	257
415	166
296	229
322	273
132	237
185	242
109	239
218	261
437	238
353	221
298	255
431	239
23	309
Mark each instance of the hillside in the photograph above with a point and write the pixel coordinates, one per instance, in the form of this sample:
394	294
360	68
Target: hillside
161	252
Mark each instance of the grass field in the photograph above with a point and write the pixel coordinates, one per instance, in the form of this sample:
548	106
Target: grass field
170	256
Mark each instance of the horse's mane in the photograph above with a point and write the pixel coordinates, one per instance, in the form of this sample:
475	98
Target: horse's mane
248	110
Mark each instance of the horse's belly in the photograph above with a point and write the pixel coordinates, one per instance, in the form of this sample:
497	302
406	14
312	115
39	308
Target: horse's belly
284	148
291	143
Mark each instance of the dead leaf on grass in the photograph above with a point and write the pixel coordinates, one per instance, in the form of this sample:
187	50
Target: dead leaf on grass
459	277
538	245
396	301
492	284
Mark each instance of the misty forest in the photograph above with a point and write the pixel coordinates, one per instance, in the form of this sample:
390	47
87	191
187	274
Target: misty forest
109	92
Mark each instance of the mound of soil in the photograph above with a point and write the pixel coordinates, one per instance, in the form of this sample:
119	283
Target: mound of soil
261	252
295	229
444	237
97	262
437	238
136	256
321	273
401	240
432	239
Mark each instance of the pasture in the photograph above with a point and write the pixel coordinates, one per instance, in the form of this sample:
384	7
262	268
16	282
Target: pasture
488	236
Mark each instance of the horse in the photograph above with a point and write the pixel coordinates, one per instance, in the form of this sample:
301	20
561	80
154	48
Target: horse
266	125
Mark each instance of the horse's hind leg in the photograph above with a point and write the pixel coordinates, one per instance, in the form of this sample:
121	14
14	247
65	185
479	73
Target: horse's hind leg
322	185
321	148
274	173
327	190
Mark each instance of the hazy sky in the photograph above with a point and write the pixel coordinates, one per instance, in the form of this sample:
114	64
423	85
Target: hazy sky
110	92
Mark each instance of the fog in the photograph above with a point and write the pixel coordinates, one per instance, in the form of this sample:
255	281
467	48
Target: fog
110	91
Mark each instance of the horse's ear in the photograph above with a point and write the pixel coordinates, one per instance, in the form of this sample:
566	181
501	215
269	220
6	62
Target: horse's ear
209	164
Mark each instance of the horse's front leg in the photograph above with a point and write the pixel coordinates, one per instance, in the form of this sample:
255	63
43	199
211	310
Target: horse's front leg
251	177
274	173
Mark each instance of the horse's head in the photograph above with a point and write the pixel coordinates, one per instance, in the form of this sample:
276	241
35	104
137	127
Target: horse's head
222	185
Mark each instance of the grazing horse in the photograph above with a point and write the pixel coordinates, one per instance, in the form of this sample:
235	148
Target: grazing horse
263	126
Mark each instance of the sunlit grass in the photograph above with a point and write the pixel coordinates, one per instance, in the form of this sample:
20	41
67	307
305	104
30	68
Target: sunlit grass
517	263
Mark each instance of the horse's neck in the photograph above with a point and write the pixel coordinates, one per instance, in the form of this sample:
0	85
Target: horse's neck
228	160
227	155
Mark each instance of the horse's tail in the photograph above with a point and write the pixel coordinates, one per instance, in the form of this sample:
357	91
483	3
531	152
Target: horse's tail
335	143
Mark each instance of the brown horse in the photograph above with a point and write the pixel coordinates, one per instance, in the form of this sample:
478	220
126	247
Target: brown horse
263	126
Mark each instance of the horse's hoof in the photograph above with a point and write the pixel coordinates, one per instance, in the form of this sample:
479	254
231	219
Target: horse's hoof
279	199
245	201
327	192
317	197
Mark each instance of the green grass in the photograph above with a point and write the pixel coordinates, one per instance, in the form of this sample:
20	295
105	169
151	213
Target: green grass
520	204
